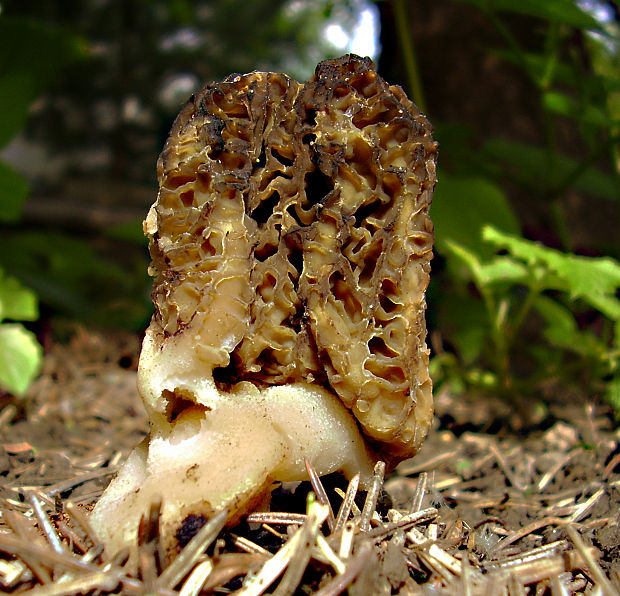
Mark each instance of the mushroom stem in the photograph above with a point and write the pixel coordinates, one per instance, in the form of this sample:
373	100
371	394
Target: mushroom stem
228	457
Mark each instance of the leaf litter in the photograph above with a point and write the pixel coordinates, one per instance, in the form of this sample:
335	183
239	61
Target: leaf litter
480	510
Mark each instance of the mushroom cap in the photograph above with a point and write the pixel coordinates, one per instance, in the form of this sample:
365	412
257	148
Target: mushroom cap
291	242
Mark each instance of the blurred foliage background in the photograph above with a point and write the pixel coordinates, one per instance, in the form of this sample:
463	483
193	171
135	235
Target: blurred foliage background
525	100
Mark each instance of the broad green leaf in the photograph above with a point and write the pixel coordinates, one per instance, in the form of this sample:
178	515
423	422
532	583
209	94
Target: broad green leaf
556	11
500	271
560	103
563	73
16	301
465	325
20	358
538	169
612	394
462	206
593	279
456	140
31	55
608	305
17	91
505	271
70	276
65	273
13	192
33	47
561	329
466	257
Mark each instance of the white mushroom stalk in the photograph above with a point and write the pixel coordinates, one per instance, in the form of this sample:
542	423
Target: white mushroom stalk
291	249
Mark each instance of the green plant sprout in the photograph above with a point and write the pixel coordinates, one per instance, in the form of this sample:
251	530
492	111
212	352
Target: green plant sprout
20	352
531	282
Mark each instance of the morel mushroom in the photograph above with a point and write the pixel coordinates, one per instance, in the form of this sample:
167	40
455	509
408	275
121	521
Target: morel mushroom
291	249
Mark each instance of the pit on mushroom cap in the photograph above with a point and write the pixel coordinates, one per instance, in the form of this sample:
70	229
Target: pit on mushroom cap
291	249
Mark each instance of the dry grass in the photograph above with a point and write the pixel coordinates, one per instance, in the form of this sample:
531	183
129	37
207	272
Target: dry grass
51	550
473	513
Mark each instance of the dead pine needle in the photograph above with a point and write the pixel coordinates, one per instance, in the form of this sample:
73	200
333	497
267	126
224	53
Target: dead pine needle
355	566
181	566
45	523
593	566
347	503
321	495
420	491
370	505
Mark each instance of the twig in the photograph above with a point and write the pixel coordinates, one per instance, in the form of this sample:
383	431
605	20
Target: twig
65	485
321	495
197	578
593	566
272	569
340	583
15	546
328	554
276	517
27	533
347	503
541	523
78	516
503	464
104	580
404	523
584	508
370	505
420	490
45	523
175	572
248	546
317	514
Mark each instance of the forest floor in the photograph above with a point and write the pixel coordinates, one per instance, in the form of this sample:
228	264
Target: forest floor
488	506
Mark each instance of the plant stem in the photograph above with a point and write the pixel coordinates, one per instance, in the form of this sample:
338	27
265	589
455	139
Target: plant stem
405	41
551	48
532	294
513	44
498	338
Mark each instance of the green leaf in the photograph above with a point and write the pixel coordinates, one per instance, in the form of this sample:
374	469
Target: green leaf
612	394
69	275
564	73
561	329
593	279
16	301
32	47
17	91
13	193
20	358
65	273
538	169
504	271
466	257
31	55
462	206
555	11
560	103
465	324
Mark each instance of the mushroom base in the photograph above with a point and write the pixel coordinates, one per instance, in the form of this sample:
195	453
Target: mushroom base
206	460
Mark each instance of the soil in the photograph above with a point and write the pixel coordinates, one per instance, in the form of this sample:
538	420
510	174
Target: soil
502	489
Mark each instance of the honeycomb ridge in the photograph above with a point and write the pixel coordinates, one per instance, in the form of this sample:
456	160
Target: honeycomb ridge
291	235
